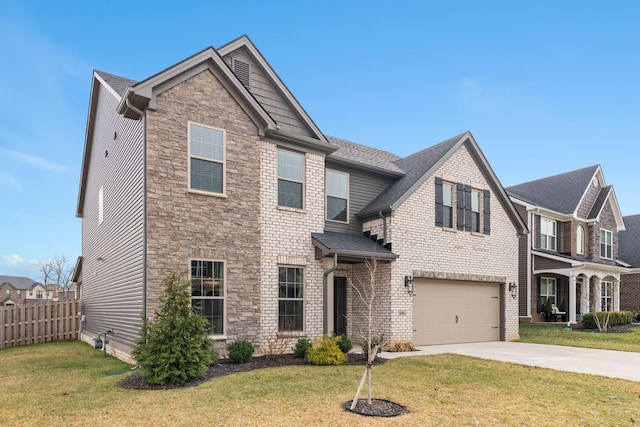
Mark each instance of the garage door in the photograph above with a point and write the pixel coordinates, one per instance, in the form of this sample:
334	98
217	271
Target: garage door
446	312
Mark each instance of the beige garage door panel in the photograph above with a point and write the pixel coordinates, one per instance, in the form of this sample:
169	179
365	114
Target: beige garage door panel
446	312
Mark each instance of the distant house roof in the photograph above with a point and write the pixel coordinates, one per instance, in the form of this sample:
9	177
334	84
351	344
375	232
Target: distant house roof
629	241
350	246
560	193
23	283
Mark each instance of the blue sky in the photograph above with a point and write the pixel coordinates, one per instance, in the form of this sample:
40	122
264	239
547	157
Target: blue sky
545	87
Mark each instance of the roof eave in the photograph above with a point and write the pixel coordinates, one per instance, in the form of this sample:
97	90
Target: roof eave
339	161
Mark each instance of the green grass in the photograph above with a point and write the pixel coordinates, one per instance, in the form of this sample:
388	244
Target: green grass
70	384
544	334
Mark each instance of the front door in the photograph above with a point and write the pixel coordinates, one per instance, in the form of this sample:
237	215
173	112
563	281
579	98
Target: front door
340	305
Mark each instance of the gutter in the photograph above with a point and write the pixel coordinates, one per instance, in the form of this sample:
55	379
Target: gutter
325	275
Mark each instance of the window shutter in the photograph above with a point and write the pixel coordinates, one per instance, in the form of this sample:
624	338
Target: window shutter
536	244
558	244
467	208
540	302
439	207
460	206
487	211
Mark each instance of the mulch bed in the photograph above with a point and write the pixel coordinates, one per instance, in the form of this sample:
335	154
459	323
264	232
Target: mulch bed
377	408
224	367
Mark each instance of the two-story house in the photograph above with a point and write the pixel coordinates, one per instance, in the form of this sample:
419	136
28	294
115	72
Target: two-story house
19	290
629	247
571	255
213	167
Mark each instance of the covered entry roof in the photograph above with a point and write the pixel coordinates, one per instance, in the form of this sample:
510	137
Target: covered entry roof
347	245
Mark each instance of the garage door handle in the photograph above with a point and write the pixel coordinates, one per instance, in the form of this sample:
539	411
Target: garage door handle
456	319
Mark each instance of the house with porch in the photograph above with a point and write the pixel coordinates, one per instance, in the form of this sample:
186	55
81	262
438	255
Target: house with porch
19	290
571	256
212	166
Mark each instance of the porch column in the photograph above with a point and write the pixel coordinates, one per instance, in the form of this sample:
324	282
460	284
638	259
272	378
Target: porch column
616	295
598	293
572	299
585	299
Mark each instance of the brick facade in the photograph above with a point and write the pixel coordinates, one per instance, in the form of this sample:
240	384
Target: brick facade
630	292
195	226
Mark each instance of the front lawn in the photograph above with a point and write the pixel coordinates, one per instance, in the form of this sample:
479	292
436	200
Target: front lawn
547	334
72	384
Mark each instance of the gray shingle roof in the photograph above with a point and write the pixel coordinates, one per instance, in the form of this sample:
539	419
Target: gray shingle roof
415	167
117	83
369	157
629	241
560	193
351	245
599	203
18	282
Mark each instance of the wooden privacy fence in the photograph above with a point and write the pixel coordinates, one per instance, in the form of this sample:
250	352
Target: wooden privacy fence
35	323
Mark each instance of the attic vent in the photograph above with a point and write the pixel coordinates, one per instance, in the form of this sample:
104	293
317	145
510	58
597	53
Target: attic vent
241	70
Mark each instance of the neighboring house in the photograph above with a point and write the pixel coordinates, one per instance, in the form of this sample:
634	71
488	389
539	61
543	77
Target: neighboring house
571	256
213	167
19	290
629	246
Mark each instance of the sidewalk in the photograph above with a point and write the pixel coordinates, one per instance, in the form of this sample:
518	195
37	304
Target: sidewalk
608	363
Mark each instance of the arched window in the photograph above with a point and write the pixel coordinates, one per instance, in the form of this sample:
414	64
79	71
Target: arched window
580	240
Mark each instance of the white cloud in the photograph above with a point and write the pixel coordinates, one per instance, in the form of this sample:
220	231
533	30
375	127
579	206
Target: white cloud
12	260
7	180
39	162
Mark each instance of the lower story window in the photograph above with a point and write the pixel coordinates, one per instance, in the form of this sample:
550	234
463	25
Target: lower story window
607	296
547	291
290	298
207	293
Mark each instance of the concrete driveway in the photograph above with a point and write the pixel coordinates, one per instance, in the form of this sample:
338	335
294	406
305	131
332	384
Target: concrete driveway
614	364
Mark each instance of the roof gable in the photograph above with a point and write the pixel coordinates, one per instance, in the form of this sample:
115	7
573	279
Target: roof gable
272	94
561	193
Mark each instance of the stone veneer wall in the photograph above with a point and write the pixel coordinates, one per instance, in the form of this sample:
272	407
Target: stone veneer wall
424	248
285	235
205	227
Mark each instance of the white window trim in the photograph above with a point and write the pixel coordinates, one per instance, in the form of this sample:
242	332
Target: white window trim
304	300
580	239
606	294
223	162
304	174
222	336
555	235
609	233
452	194
101	205
326	212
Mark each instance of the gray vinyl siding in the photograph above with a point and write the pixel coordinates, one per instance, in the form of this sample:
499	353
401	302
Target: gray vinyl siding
113	251
363	188
269	96
589	199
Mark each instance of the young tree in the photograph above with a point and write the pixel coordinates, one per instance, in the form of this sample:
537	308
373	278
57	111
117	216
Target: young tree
366	292
174	347
45	268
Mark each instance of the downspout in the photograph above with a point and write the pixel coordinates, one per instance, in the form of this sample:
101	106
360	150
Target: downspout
384	227
324	292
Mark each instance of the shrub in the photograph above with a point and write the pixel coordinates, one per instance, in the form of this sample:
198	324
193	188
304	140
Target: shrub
401	346
302	347
175	346
240	351
325	352
344	343
617	318
215	356
374	342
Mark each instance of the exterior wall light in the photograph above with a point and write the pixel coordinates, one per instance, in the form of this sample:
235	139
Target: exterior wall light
513	289
408	284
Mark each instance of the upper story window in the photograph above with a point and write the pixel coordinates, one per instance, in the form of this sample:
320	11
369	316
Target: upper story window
207	293
8	293
206	159
290	179
100	205
19	293
580	240
547	234
39	294
337	188
475	211
444	203
606	247
472	207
